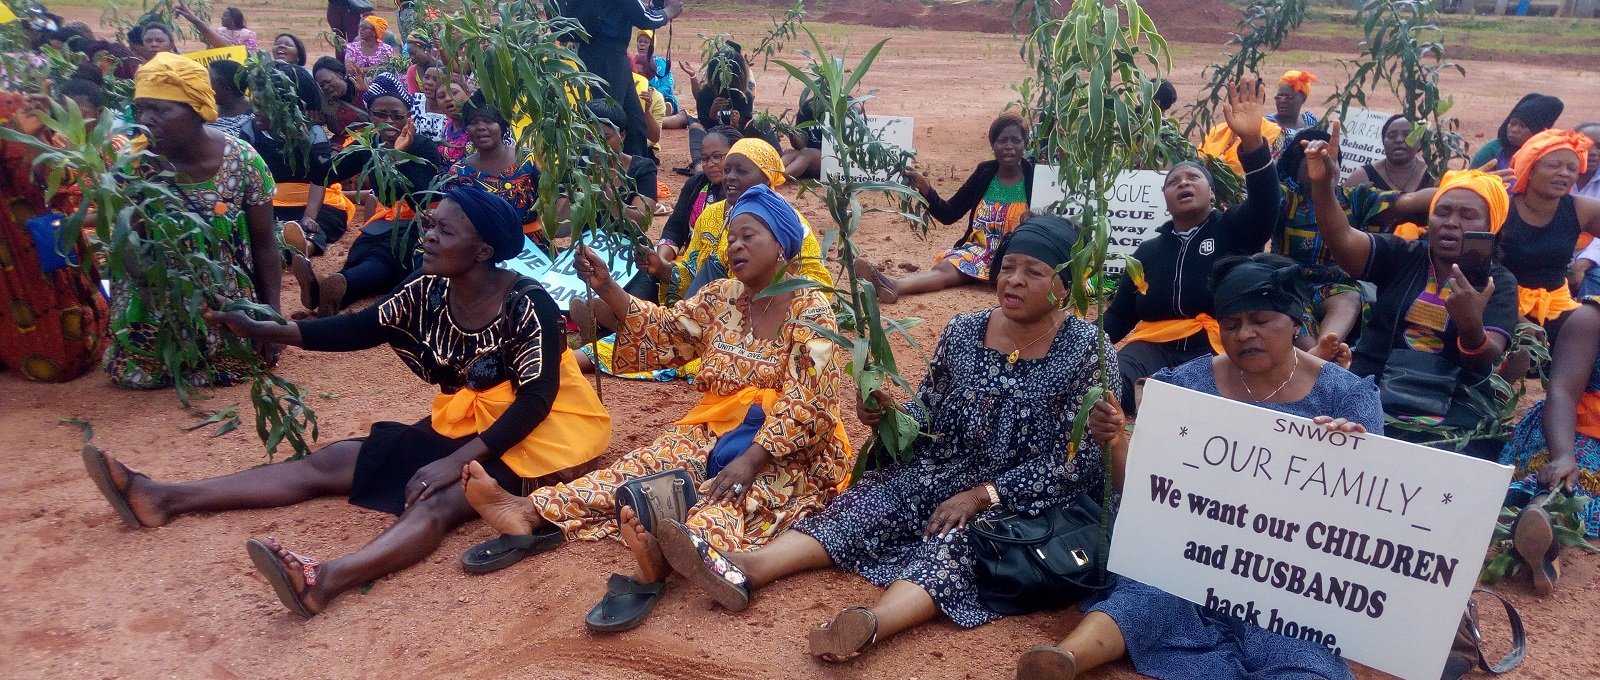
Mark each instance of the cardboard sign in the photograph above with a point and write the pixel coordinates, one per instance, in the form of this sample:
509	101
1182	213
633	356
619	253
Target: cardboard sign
1367	545
6	15
1361	139
560	278
895	130
1137	207
230	53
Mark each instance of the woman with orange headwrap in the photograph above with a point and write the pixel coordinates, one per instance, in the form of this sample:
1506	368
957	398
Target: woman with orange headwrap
1294	88
1433	334
1546	222
368	50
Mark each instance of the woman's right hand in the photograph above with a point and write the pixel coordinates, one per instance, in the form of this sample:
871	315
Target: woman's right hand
918	181
1107	422
1561	473
1322	157
237	323
868	415
686	68
592	269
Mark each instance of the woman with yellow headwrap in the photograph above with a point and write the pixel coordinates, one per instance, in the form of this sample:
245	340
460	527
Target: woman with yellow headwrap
1547	222
1434	332
368	50
218	177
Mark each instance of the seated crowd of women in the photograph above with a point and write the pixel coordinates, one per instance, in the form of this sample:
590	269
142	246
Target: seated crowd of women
1260	302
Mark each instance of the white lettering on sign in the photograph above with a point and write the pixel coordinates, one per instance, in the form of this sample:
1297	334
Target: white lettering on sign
893	130
560	277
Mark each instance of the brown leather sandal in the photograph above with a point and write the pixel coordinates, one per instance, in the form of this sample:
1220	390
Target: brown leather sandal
1047	662
846	637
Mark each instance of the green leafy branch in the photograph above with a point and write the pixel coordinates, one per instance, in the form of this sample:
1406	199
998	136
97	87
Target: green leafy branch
274	99
1262	29
1566	517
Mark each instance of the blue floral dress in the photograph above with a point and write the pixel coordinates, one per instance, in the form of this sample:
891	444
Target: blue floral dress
990	421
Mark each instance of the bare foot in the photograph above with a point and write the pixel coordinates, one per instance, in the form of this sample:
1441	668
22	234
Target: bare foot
887	292
300	268
136	489
332	295
508	513
314	598
652	564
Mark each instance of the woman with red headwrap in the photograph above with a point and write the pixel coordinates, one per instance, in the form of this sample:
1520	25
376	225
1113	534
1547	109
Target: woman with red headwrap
1294	88
1546	222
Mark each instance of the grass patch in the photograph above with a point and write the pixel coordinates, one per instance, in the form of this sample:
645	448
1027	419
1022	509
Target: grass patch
1532	36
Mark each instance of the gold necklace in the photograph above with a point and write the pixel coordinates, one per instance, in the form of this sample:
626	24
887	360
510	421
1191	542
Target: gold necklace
1292	369
1016	354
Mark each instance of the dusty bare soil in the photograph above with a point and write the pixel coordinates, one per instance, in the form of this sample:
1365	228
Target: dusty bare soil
86	597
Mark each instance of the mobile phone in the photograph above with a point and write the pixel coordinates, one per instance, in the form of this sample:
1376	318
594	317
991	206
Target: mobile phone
1477	250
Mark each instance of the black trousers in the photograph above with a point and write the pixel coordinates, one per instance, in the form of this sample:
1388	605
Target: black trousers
1139	360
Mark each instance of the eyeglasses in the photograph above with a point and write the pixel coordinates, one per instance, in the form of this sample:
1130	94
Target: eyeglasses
387	115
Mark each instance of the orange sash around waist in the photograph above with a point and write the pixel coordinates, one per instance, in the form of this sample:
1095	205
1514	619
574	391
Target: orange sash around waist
1177	329
295	195
1589	414
577	430
1544	305
723	412
398	212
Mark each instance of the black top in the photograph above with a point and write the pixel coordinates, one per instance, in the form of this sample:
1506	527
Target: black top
970	195
1399	268
738	100
1379	183
1177	267
311	170
1539	255
523	345
678	223
807	114
418	174
610	25
640	179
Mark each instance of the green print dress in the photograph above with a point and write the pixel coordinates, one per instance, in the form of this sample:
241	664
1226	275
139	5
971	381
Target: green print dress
134	359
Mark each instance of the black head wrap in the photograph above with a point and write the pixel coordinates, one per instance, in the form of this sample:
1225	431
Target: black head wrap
1537	111
1258	286
1047	238
478	107
1204	171
1294	155
498	223
606	114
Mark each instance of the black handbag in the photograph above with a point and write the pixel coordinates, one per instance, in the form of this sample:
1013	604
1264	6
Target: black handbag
1417	383
1025	564
657	497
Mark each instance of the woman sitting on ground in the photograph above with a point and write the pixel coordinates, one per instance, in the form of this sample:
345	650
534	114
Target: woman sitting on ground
213	174
342	105
1545	224
511	402
993	200
1166	320
1169	637
420	48
1333	298
703	189
496	166
368	51
657	69
1557	446
804	159
234	30
380	259
999	401
1430	319
1402	167
287	49
1533	114
765	446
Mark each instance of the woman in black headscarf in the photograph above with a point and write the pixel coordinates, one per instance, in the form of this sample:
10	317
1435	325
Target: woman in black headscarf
1533	114
515	366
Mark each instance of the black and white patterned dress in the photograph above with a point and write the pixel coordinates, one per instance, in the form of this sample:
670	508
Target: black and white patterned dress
991	421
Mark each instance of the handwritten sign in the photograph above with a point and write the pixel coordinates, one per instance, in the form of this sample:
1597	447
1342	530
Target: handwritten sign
1361	140
560	278
1137	207
1367	545
230	53
893	130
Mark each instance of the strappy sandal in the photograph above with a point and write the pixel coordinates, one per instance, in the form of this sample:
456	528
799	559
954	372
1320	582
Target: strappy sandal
1533	537
272	569
94	461
1047	662
846	637
1467	650
697	560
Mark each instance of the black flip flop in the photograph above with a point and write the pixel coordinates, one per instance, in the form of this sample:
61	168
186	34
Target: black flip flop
686	172
277	575
498	553
626	605
100	472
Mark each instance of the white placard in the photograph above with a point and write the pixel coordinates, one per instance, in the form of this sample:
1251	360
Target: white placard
894	130
560	278
1368	545
1137	207
1361	139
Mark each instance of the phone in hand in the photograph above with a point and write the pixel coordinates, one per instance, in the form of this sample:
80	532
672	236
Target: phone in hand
1477	250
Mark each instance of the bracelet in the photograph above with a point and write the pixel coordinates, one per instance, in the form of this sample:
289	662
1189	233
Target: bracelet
1473	352
1264	167
994	494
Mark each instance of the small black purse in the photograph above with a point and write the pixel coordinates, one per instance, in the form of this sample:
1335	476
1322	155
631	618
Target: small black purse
664	495
1417	383
1025	564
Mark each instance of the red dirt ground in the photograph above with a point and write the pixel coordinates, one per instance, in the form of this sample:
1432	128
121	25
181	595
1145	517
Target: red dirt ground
86	597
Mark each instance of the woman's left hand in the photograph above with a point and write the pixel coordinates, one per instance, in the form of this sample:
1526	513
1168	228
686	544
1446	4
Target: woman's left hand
1333	424
955	511
735	479
433	478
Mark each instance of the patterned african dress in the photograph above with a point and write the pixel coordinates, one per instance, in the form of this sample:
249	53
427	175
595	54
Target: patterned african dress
996	215
518	184
1528	449
802	429
241	182
353	52
1296	236
52	311
991	421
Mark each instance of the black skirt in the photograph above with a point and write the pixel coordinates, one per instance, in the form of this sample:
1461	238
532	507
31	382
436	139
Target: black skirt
392	452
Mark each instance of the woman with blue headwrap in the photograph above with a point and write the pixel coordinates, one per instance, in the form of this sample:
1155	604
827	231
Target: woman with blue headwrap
998	401
511	398
764	447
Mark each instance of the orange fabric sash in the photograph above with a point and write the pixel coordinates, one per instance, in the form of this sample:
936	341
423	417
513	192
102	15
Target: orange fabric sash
577	430
723	412
399	212
1544	305
295	195
1589	414
1220	142
1177	329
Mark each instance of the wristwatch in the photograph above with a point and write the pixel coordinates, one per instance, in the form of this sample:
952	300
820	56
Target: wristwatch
994	494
